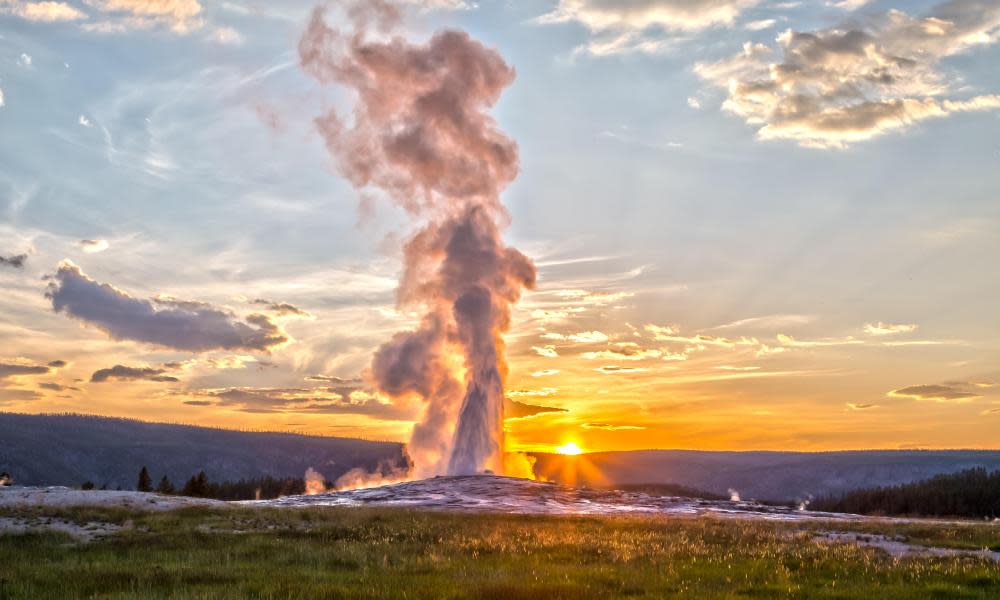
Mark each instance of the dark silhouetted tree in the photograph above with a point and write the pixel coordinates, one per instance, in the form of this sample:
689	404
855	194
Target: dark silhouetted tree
87	485
145	483
165	486
197	486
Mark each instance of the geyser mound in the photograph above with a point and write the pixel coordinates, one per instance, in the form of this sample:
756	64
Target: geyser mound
498	494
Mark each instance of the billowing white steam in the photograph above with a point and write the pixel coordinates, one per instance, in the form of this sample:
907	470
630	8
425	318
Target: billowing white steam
315	483
421	134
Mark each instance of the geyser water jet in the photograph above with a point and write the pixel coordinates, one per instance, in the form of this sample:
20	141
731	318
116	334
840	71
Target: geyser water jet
421	134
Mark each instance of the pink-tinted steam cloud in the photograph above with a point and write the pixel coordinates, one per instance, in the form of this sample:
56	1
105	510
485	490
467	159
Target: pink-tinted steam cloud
421	133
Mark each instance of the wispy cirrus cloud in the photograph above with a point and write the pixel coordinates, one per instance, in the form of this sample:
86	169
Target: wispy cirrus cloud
849	83
547	391
161	321
545	372
768	322
612	427
791	342
880	328
582	337
629	353
615	369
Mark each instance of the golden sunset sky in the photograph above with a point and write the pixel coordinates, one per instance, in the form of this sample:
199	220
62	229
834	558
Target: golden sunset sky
757	225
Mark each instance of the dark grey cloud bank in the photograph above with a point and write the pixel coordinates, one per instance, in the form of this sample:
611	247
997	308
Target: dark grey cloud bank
58	387
16	262
517	410
332	401
283	309
949	390
333	379
17	368
171	323
125	373
17	395
20	369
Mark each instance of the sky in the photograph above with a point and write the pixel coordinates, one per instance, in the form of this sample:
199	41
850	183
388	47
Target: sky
756	224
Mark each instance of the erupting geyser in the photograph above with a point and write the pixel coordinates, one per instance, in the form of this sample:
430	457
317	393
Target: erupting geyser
420	133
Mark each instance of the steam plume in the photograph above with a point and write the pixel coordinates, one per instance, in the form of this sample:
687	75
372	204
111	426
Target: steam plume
421	134
315	483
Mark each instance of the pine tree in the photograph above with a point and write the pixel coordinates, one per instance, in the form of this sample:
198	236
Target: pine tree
189	487
197	487
145	482
202	484
165	486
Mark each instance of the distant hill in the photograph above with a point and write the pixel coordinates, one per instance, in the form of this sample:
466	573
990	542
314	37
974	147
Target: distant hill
972	493
773	476
71	449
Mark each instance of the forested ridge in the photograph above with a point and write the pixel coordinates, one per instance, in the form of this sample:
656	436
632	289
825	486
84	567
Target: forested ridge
971	493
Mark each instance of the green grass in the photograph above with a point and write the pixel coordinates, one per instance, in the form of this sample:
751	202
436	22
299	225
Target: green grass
379	553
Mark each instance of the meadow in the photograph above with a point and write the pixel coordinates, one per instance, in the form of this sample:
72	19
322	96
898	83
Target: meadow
241	552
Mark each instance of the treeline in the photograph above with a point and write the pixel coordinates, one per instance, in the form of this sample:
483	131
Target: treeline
199	486
971	493
259	488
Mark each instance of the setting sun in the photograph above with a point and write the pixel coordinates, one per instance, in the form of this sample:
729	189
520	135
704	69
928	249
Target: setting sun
569	448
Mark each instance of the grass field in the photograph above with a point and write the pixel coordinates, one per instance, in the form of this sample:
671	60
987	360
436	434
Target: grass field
378	553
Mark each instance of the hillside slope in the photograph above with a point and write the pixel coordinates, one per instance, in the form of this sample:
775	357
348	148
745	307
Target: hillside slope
71	449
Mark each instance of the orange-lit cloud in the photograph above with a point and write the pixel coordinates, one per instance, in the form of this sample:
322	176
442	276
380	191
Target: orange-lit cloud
92	246
642	25
612	427
548	351
45	12
180	16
